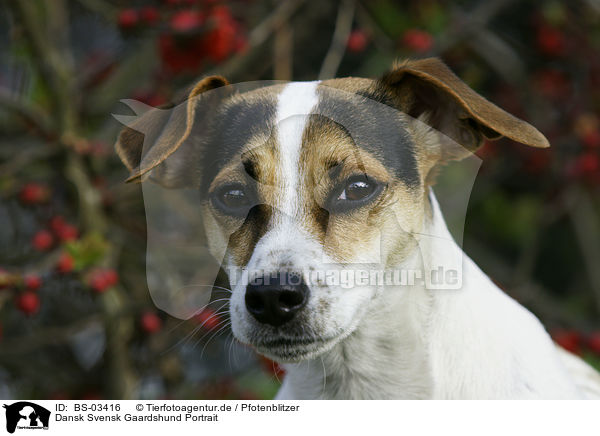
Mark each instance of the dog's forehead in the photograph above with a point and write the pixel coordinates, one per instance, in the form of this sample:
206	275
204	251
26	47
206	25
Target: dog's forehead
286	119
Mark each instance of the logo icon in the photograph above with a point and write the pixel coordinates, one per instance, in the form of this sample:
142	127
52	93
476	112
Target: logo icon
26	415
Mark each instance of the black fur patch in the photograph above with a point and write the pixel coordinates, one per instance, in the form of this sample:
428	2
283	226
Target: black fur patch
376	128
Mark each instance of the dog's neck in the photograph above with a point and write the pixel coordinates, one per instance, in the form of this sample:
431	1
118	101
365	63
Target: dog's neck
387	355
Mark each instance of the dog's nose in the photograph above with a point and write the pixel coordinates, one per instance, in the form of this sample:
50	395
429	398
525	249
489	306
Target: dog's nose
277	298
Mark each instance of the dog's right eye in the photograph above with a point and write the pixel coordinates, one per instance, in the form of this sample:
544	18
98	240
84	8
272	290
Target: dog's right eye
232	200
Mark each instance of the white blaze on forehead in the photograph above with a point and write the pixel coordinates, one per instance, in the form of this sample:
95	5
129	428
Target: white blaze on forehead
294	104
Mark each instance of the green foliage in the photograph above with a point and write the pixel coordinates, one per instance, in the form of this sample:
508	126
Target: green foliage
88	251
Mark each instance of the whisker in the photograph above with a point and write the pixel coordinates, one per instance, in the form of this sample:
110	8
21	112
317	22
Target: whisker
221	288
220	331
189	335
215	315
275	372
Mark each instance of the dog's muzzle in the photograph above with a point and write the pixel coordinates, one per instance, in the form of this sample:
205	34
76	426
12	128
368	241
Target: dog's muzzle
277	298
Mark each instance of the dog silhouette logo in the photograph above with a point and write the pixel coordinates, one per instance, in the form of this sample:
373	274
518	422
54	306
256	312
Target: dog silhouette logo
26	415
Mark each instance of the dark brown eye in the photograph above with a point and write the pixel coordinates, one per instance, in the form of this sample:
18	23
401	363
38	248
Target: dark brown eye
354	193
232	200
357	190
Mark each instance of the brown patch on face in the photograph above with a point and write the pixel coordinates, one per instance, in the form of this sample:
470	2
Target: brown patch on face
428	142
328	159
246	154
254	168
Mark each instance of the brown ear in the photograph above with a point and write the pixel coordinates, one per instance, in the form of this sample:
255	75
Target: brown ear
156	133
427	88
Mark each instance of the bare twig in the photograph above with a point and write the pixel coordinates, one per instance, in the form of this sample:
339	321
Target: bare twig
283	53
469	24
30	113
102	8
50	54
343	26
25	157
378	36
497	53
90	201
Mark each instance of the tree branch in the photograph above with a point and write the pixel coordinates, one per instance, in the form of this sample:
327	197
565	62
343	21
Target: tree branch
343	26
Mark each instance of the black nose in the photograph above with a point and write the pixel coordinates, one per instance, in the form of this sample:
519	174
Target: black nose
277	298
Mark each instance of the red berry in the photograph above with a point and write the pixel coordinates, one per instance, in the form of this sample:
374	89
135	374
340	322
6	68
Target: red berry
111	277
223	39
64	231
32	282
149	14
128	18
186	20
208	319
570	340
28	303
550	41
177	58
97	281
592	139
33	193
357	41
594	342
150	322
42	240
67	232
65	263
98	284
417	40
102	279
221	42
57	223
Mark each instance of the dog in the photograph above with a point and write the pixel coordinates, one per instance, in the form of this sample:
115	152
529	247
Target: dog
337	175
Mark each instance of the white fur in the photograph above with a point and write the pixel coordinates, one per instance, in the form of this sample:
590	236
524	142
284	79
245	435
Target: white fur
294	104
472	343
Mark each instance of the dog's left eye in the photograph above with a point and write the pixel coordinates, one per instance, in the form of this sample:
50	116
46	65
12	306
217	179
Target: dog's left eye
353	193
232	199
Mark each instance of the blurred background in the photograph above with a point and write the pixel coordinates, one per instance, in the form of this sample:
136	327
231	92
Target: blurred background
76	319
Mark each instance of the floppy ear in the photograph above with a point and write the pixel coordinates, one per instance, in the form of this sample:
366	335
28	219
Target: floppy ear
428	90
154	134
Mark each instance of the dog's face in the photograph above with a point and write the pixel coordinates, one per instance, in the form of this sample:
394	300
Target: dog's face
304	183
300	198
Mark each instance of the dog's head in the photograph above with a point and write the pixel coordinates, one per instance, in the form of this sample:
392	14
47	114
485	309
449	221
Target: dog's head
301	182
